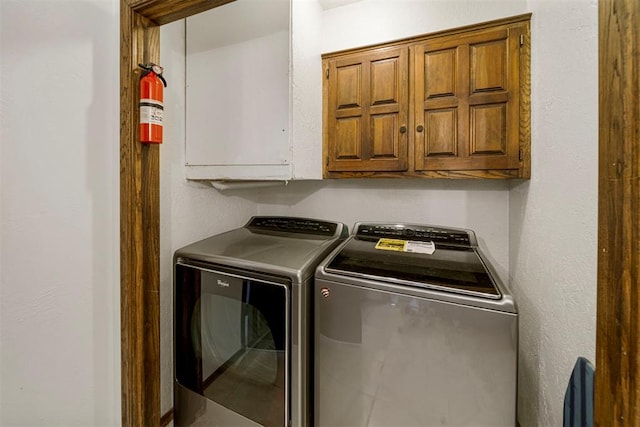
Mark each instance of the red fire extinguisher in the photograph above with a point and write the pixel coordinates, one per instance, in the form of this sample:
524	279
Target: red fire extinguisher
151	107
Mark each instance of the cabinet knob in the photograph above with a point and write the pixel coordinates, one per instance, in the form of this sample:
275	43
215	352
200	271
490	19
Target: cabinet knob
420	128
403	129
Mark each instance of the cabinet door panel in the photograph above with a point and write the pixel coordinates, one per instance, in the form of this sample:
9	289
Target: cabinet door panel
488	66
384	135
384	81
488	129
440	74
441	133
348	132
349	82
368	105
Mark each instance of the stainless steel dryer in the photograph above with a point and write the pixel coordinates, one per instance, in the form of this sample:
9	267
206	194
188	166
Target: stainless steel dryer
242	331
413	328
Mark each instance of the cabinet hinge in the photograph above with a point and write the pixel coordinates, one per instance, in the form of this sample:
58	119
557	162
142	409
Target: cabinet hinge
520	154
521	39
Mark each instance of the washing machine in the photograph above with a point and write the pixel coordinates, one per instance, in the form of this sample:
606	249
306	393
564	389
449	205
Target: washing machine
242	304
413	328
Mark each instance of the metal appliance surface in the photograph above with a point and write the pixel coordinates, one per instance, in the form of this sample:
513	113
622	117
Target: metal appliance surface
404	337
242	328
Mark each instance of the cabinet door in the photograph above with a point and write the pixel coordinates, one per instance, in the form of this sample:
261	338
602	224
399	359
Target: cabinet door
366	111
467	101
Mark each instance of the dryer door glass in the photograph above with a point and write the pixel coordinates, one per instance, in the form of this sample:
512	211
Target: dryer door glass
231	342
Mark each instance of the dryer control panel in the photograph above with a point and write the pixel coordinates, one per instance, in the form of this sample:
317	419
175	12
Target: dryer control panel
293	225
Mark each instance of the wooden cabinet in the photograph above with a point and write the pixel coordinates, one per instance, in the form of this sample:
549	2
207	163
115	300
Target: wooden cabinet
370	98
450	104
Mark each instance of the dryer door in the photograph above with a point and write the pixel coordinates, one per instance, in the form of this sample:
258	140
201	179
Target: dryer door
232	344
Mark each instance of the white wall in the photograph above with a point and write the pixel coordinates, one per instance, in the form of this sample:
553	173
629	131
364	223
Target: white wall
306	94
553	253
376	21
59	277
479	205
189	211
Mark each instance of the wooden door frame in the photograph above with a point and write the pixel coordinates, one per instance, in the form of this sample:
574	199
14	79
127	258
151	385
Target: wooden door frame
617	395
617	398
140	22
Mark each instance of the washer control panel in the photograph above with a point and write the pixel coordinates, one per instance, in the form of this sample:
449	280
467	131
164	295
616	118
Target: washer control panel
293	225
417	232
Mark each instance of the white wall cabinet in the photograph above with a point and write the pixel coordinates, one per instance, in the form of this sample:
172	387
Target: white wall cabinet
243	93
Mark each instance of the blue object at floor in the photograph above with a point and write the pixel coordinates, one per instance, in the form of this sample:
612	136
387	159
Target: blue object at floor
578	399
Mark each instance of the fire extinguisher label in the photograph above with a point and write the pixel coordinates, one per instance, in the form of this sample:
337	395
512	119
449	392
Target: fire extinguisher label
151	112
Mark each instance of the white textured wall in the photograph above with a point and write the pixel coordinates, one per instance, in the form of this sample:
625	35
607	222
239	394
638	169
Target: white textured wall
59	231
479	205
553	237
376	21
189	211
306	93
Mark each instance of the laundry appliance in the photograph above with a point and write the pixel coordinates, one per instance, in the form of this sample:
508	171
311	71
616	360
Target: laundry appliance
242	328
413	328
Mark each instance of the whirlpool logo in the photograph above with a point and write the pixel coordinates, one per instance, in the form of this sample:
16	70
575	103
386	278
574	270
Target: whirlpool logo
223	284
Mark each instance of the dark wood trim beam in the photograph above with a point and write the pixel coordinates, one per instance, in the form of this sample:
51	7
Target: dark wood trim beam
617	393
162	11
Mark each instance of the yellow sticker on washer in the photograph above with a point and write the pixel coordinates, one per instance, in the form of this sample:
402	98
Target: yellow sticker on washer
406	246
391	245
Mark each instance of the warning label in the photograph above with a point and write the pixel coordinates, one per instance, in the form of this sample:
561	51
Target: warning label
406	246
391	245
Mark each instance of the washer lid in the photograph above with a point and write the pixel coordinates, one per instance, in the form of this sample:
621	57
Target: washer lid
449	268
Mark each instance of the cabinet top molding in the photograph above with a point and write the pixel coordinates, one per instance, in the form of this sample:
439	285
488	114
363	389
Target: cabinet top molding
446	32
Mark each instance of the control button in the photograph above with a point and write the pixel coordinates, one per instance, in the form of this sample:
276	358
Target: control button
408	232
